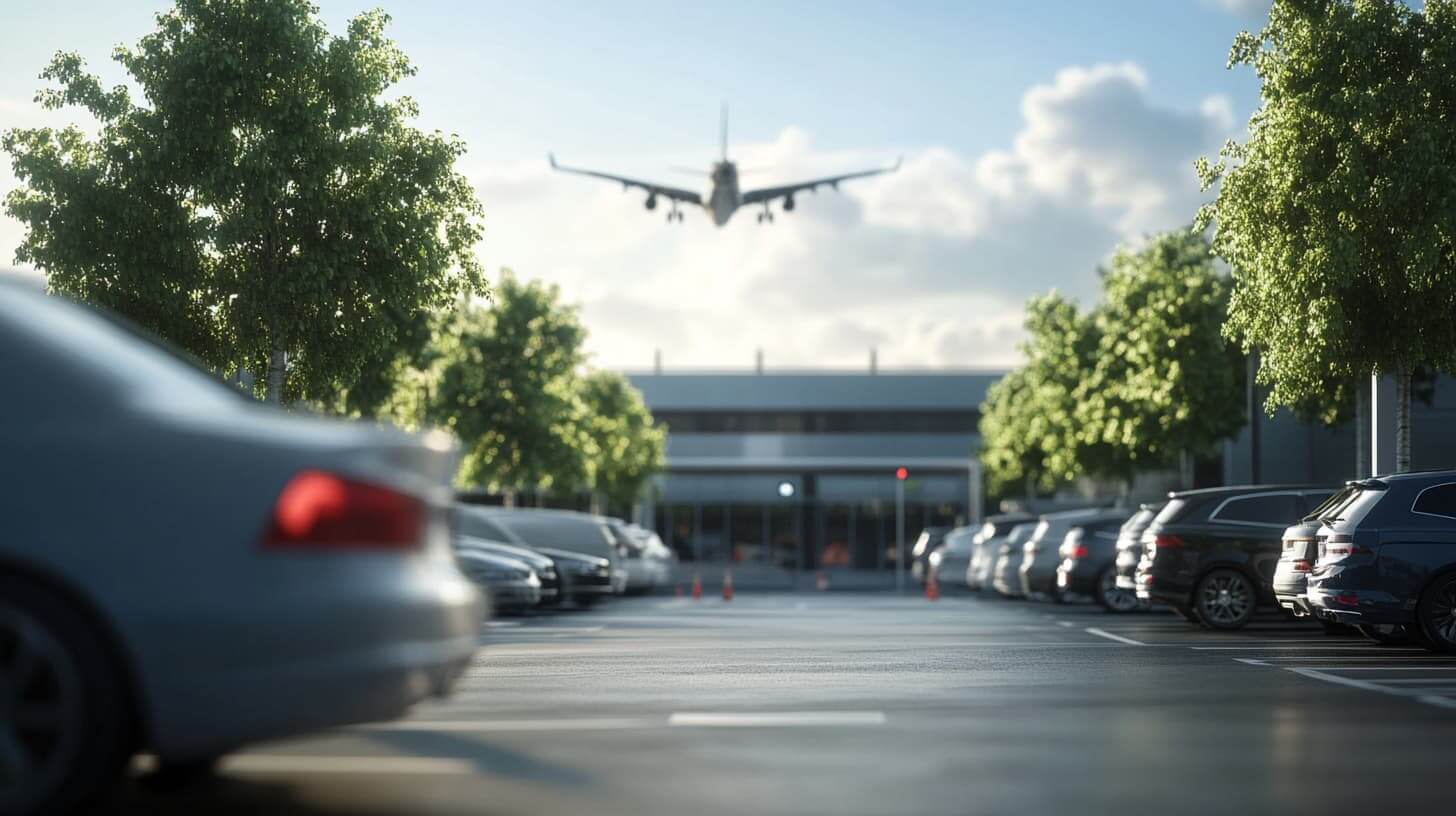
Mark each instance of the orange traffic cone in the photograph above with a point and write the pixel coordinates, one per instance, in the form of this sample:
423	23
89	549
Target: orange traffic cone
697	588
727	585
932	588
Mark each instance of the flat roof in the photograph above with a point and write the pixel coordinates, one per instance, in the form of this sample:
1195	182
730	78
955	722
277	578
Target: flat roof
807	390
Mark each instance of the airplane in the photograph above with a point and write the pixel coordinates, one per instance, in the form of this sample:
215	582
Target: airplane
724	199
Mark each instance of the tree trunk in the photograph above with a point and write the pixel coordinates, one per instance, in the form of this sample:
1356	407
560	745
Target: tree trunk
1185	470
277	368
508	499
1402	420
1362	429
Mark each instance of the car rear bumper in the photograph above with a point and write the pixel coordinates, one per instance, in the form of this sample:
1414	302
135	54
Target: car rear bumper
1289	589
347	653
1080	578
1357	606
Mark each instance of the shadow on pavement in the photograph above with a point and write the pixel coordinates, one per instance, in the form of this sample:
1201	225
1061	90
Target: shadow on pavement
487	758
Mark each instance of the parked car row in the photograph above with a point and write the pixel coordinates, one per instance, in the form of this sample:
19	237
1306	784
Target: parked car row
529	559
1377	557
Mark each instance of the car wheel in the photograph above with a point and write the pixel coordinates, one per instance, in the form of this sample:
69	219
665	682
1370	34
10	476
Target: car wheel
1110	597
1225	599
1437	614
65	726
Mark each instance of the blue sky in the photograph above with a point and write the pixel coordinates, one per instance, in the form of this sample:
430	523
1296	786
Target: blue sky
1037	137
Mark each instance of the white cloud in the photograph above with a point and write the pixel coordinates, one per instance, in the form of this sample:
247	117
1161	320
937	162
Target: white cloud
929	265
1243	8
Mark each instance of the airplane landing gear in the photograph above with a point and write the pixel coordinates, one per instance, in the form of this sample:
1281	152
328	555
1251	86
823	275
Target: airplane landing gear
674	215
765	217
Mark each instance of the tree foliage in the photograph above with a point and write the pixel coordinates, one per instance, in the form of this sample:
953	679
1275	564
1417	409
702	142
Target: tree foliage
1163	382
629	447
507	387
1128	386
266	198
1336	214
1028	422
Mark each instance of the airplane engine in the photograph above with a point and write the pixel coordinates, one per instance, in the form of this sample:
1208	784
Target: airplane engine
788	203
651	202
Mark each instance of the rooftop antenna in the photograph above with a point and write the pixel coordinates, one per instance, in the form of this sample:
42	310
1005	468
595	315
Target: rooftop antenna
723	131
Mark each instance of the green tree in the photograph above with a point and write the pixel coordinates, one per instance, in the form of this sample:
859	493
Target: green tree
267	205
507	388
1335	215
1163	384
629	447
1028	421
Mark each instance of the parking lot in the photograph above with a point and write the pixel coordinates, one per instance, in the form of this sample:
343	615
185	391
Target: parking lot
870	703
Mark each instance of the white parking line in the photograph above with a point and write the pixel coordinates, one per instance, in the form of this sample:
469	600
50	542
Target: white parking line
775	719
1092	630
1440	702
553	630
370	765
455	726
1067	624
1355	648
1317	674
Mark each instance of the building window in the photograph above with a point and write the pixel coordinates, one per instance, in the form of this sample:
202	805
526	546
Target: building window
795	422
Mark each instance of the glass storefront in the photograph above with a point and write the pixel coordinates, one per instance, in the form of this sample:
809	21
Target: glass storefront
857	535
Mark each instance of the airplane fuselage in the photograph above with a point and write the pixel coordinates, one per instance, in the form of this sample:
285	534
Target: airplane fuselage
723	200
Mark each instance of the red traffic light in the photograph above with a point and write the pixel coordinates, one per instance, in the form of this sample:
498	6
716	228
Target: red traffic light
902	474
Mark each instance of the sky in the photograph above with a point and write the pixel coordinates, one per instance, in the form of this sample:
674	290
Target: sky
1037	138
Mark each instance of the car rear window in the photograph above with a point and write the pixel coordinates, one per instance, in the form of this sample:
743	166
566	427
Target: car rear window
1354	510
1439	500
1273	509
1332	502
1170	511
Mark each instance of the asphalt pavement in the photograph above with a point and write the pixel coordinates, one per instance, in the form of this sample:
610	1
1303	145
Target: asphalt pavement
842	703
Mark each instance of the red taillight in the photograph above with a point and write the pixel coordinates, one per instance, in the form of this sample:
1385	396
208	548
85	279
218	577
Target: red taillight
1079	551
1347	599
319	510
1167	542
1301	566
1341	546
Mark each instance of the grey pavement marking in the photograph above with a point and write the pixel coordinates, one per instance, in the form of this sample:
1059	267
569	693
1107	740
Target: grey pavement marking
579	724
1092	630
774	719
370	765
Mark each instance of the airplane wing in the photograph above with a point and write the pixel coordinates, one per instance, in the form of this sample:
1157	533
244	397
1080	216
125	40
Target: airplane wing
770	193
674	193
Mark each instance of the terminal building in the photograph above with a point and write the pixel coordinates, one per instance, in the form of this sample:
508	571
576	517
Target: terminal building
797	469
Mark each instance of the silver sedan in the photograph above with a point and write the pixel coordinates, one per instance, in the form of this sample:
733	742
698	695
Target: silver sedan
185	571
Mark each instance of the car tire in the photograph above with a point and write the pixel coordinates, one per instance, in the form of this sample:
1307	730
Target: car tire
62	688
1109	597
1436	614
1225	599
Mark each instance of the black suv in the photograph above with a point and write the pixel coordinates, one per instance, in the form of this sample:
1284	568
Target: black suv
1210	554
1387	557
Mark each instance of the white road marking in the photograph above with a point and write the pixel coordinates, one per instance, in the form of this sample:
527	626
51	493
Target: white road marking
500	624
1092	630
580	724
1441	702
1356	648
1250	661
1390	668
1316	674
1068	624
367	765
1420	681
775	719
554	630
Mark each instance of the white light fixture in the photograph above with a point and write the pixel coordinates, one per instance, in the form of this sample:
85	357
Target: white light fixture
786	489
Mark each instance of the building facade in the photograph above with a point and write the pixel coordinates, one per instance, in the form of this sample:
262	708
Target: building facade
798	469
